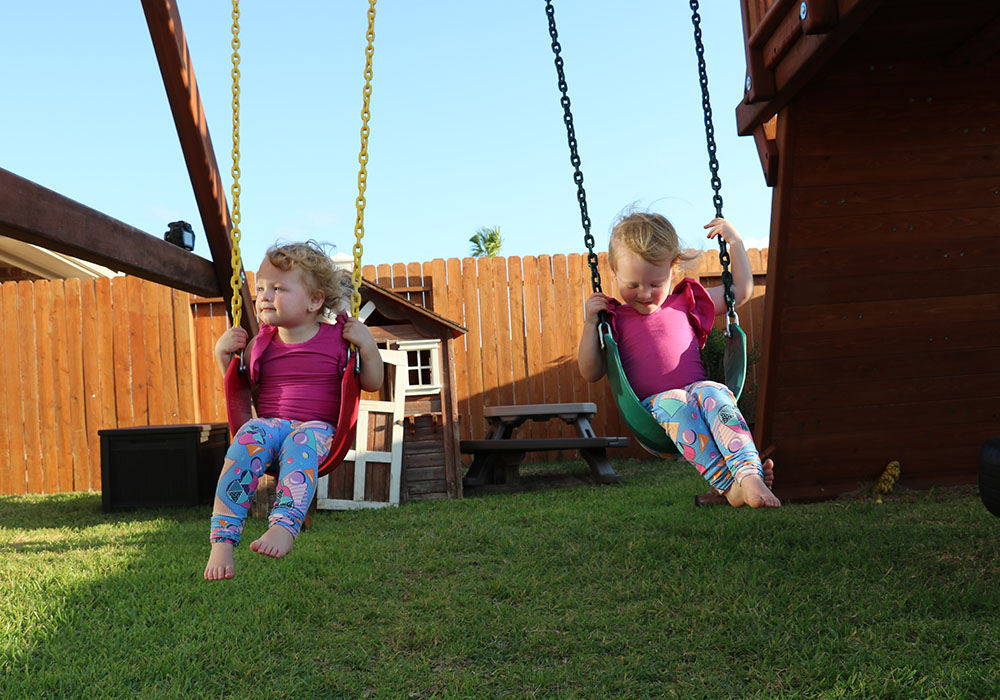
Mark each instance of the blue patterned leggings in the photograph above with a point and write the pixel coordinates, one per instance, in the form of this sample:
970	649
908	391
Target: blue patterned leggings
703	421
296	449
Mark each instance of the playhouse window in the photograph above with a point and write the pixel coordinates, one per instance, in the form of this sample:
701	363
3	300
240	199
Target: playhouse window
422	365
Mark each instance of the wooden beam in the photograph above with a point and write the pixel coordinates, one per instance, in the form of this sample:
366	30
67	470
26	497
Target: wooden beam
167	33
800	64
978	48
34	214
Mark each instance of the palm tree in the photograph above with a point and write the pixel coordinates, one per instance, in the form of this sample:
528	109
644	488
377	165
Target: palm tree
487	242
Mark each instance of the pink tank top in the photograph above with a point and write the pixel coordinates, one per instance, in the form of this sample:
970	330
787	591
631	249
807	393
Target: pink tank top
299	382
660	351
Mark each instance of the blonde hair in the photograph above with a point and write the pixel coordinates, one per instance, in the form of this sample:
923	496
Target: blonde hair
650	236
317	270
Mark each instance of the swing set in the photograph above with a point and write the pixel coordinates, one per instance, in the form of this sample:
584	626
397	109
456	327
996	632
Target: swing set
640	421
236	382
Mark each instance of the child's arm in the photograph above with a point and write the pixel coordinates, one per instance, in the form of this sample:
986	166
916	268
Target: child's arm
589	356
739	266
229	343
371	361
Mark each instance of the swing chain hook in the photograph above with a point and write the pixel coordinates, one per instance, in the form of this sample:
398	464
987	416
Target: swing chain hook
713	161
574	156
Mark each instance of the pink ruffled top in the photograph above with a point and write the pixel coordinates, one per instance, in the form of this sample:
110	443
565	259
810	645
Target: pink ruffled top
660	351
299	382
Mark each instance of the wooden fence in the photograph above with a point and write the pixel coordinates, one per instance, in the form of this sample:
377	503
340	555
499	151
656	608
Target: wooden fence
84	355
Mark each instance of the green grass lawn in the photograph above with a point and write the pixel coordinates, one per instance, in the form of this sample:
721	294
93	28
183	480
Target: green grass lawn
624	591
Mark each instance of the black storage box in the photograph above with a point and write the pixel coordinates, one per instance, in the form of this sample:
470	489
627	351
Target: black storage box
156	466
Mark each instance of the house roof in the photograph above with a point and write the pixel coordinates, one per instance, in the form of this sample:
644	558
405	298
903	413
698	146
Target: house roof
397	307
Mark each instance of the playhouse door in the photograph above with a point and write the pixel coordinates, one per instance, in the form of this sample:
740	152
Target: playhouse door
371	473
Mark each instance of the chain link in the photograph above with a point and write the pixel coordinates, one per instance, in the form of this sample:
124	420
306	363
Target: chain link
713	162
237	279
574	156
359	226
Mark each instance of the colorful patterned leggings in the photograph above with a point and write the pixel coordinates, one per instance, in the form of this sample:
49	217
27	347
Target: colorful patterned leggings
295	448
703	421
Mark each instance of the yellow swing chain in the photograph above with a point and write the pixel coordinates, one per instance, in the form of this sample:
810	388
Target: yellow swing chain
236	282
359	226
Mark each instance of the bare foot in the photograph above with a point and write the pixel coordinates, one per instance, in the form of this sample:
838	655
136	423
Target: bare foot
220	562
756	494
276	542
768	467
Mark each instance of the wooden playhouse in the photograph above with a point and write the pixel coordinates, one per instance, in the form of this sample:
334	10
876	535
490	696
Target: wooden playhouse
878	126
408	430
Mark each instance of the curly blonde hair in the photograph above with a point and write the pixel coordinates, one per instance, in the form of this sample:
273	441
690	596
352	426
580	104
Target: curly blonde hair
317	270
649	235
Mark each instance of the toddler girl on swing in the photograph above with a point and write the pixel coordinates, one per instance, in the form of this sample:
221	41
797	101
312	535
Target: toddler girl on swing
296	365
659	334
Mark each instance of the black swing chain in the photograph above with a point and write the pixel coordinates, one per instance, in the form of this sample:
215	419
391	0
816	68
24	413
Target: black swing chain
713	162
574	157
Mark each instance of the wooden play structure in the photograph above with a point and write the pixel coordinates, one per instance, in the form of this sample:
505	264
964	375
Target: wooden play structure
878	126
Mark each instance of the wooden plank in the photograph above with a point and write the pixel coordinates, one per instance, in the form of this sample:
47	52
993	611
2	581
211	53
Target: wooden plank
399	279
518	340
487	321
167	33
77	340
13	469
30	395
931	414
549	344
473	346
384	275
502	319
888	199
168	350
152	348
185	362
63	461
900	366
858	316
563	343
533	336
437	299
899	284
908	165
415	279
914	339
139	352
90	349
123	377
48	429
107	417
205	362
450	427
456	313
34	214
883	392
368	273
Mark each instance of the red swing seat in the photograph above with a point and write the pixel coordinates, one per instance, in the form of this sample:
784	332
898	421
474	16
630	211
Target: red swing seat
238	402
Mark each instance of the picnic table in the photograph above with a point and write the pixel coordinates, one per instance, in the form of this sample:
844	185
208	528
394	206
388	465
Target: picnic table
497	458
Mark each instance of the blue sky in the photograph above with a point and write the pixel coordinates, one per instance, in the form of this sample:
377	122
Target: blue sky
466	126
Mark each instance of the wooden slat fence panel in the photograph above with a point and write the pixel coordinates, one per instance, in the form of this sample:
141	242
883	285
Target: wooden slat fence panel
84	355
94	354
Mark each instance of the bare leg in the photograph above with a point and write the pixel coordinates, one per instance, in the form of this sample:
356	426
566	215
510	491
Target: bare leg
220	562
754	491
276	542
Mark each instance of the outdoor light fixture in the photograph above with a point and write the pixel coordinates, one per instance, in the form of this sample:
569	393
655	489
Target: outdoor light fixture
180	234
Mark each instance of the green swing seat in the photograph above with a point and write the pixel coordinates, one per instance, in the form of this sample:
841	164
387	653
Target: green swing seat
640	421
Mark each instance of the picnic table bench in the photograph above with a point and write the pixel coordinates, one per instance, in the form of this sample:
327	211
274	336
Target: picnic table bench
498	457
